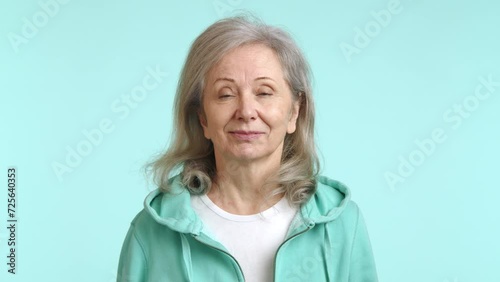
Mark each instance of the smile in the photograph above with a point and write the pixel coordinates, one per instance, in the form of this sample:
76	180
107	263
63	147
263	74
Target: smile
246	135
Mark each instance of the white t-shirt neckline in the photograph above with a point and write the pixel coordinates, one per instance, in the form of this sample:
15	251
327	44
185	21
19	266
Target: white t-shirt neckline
280	206
253	239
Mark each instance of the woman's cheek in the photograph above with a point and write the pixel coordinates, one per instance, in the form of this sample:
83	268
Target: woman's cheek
277	116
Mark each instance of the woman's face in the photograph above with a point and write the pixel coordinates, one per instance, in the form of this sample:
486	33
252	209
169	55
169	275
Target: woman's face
248	105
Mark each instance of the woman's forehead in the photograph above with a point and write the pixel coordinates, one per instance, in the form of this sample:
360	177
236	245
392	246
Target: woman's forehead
257	61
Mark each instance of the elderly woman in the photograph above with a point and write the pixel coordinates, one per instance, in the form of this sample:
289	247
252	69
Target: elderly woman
247	202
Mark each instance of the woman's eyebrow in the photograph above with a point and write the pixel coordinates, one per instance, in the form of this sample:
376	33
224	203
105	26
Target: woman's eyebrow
224	79
232	80
263	77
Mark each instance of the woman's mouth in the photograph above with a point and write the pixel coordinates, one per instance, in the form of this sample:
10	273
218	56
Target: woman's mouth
246	135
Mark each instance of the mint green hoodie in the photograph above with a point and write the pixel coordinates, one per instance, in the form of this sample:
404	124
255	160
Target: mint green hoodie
327	241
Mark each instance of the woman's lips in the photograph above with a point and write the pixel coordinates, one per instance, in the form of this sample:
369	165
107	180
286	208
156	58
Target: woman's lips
246	135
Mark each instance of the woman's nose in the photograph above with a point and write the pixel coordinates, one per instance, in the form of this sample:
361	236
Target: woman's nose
247	107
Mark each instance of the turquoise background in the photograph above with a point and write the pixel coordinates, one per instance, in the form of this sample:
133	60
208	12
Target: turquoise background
440	222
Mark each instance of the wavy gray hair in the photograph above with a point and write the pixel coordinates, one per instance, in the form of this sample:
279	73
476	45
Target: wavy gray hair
190	152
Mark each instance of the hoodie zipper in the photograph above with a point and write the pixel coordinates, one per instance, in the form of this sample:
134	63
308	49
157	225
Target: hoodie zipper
279	248
275	257
223	251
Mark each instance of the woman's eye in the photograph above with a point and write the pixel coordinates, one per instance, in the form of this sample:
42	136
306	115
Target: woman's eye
265	94
222	96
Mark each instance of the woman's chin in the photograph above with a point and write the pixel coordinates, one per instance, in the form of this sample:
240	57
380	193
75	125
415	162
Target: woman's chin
246	156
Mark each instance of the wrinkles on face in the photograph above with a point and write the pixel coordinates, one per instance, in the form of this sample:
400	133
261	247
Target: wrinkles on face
248	104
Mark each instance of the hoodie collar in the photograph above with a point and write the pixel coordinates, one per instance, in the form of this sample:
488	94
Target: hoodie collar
174	209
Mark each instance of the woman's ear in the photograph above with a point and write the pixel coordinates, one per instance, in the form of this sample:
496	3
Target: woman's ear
294	114
203	122
202	119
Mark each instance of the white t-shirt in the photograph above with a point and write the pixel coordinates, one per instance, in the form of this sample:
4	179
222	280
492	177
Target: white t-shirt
252	239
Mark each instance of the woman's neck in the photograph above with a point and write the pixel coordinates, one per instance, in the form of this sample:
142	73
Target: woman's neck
239	187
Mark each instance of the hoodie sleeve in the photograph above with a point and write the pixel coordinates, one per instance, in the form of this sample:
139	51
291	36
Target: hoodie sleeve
132	266
362	265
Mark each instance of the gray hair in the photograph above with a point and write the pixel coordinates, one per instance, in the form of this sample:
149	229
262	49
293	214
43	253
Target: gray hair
193	154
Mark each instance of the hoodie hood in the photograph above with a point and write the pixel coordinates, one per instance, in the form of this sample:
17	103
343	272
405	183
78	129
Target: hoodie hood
328	202
174	209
